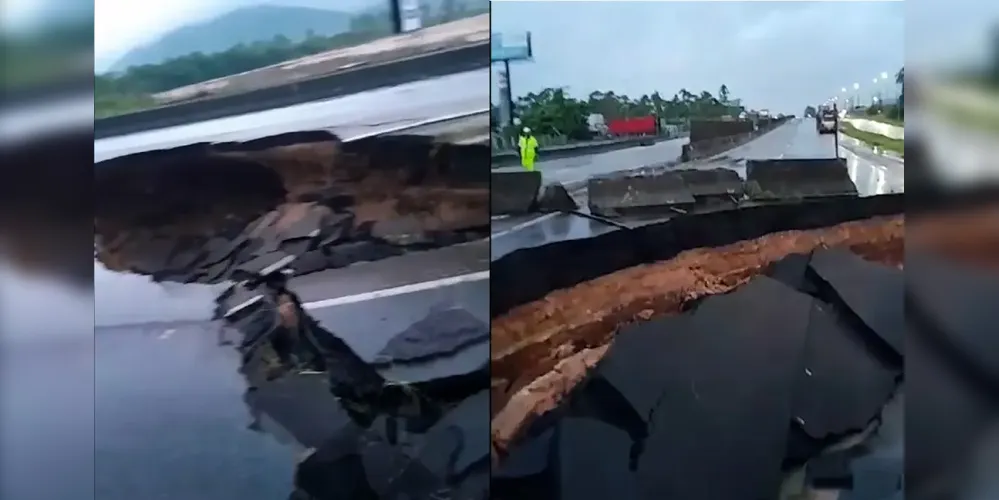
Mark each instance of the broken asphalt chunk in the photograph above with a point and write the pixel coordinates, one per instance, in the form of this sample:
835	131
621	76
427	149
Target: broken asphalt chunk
256	266
844	385
872	291
726	401
300	409
635	358
793	271
297	246
440	333
595	462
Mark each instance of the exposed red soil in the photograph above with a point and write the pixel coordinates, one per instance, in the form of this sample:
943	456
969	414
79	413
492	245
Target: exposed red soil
542	349
398	185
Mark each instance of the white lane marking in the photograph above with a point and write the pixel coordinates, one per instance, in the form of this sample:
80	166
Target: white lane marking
524	224
399	290
479	139
418	124
165	335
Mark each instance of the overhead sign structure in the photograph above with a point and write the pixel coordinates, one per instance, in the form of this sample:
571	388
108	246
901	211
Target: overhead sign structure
412	18
505	48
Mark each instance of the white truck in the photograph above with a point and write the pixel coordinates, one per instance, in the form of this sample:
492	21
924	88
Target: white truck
826	120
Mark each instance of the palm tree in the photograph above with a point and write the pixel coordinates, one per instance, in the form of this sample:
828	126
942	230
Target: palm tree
723	94
900	79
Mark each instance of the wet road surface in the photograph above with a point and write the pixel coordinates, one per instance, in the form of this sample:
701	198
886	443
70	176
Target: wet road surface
579	168
873	174
349	116
170	420
171	423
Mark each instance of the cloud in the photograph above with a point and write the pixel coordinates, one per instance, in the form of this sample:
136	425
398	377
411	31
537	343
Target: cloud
780	56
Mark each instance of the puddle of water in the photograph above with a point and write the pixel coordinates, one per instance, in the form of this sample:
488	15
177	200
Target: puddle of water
121	298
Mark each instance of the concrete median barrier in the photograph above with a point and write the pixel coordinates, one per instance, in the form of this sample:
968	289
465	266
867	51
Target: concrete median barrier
556	198
706	130
664	191
706	148
621	194
514	193
713	182
712	147
772	180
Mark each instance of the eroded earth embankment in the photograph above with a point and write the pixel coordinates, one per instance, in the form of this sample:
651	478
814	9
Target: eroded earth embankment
542	349
194	213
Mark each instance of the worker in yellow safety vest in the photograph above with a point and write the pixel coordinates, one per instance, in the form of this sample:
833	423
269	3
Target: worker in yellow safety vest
528	149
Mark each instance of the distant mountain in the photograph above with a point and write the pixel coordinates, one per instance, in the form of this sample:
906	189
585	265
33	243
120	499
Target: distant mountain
244	25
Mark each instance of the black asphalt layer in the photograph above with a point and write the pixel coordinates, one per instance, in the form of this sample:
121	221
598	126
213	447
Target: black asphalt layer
726	399
169	399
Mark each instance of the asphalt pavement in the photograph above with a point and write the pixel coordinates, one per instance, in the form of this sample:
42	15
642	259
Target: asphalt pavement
170	422
364	113
873	174
169	413
579	168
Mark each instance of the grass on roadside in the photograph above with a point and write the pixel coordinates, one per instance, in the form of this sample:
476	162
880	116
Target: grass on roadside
896	146
967	116
886	120
108	106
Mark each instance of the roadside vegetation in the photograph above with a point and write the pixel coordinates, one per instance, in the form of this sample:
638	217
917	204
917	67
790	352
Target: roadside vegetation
873	140
893	114
979	109
132	89
554	113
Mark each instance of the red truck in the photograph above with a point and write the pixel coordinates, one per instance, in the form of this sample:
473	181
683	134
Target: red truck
643	125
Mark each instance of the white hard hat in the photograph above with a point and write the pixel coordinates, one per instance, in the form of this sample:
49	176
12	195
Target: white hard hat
527	130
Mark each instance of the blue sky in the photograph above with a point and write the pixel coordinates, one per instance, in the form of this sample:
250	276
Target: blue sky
779	56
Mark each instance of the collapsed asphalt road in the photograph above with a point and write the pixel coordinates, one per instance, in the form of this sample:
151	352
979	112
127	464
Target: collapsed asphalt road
164	383
205	213
556	439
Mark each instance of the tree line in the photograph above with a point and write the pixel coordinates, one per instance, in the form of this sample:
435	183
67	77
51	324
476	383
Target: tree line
553	112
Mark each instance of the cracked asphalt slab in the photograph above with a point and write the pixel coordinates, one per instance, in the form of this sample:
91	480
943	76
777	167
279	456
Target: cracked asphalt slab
166	389
169	398
822	345
876	472
164	382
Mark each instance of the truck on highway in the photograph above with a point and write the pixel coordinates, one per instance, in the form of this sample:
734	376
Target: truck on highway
643	125
826	120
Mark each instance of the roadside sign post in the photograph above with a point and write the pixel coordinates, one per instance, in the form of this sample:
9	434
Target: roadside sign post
836	134
517	50
406	15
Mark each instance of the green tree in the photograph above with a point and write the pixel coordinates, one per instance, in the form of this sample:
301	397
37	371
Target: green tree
900	80
132	89
723	94
552	112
